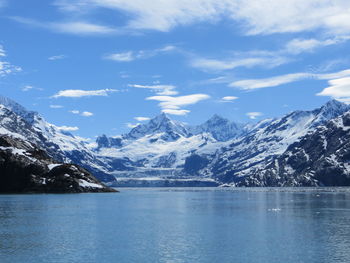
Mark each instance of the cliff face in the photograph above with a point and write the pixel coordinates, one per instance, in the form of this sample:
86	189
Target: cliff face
25	168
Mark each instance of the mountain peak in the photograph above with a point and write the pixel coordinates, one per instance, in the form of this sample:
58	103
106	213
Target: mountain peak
332	109
335	105
159	124
18	109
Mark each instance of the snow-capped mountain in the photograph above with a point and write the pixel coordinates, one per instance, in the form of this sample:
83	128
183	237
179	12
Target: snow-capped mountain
171	130
17	122
157	148
166	152
270	138
320	158
220	128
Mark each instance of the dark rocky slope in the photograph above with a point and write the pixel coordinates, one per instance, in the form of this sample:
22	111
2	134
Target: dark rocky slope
320	158
25	168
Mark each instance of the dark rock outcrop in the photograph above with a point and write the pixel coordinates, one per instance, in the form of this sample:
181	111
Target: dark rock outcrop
25	168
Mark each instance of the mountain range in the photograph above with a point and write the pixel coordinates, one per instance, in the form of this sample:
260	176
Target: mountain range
285	151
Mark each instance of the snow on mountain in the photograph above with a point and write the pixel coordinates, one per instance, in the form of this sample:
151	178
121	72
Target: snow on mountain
27	168
268	139
17	122
172	130
220	128
320	158
217	150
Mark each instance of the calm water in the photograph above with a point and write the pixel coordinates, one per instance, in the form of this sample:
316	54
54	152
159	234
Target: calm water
177	225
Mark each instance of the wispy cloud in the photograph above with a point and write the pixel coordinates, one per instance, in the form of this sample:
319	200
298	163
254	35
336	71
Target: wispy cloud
172	105
6	67
255	16
83	113
142	118
27	88
254	115
252	84
67	128
75	93
70	27
166	90
262	60
129	56
30	87
55	106
57	57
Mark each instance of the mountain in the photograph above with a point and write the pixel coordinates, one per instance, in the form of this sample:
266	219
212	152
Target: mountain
320	158
165	152
171	130
17	122
270	138
157	148
25	168
220	128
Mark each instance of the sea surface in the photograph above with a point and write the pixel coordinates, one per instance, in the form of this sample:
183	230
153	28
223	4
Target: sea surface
178	225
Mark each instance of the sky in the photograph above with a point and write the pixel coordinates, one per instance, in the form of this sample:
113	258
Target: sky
97	67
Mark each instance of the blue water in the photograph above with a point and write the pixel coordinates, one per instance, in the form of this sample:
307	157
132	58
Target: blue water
178	225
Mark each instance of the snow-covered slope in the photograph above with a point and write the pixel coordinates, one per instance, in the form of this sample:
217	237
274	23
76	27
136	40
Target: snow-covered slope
17	122
254	151
163	149
220	128
320	158
158	147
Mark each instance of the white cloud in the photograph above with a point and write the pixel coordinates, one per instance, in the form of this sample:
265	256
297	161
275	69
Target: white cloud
56	106
83	113
27	88
67	128
218	65
166	90
251	84
141	54
75	93
74	27
87	114
338	89
82	28
254	115
168	102
132	125
142	118
57	57
172	105
121	57
6	68
254	16
297	46
176	112
229	98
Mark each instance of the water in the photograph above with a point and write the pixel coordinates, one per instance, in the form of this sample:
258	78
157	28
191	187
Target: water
178	225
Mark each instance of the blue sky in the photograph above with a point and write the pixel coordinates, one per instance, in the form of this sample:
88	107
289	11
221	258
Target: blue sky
102	66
